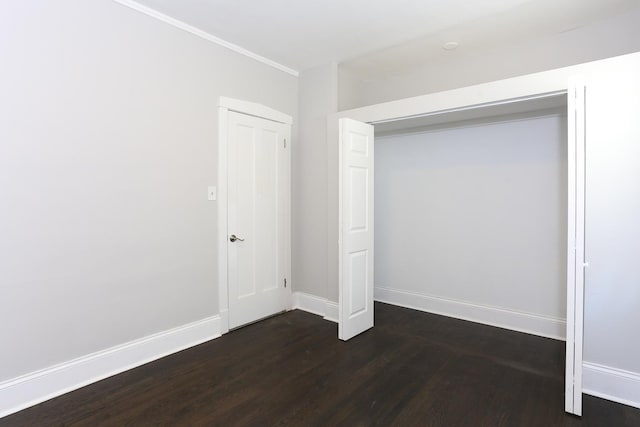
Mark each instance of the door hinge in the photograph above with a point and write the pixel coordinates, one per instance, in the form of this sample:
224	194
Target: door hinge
285	282
285	143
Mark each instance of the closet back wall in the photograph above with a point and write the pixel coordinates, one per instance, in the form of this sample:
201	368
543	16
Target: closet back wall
471	221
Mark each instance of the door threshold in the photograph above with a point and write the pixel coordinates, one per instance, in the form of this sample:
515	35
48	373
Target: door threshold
258	320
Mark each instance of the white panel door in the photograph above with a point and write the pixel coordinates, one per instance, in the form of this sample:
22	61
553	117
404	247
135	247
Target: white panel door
258	206
575	245
356	228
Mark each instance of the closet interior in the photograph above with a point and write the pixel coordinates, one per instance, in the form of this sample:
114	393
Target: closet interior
471	214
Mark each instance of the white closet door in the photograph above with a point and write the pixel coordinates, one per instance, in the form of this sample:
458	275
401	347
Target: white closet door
356	228
575	245
257	214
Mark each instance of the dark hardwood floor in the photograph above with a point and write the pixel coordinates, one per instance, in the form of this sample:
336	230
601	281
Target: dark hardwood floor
412	369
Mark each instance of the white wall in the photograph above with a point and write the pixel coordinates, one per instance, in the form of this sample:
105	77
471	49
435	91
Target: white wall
348	90
318	94
107	146
609	37
475	213
612	237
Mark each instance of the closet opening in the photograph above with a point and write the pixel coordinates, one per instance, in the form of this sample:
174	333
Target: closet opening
471	214
475	211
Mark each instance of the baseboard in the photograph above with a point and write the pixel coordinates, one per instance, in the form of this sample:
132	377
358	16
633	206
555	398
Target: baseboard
518	321
316	305
332	311
611	384
28	390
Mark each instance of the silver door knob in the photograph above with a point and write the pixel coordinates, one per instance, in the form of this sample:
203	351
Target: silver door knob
233	238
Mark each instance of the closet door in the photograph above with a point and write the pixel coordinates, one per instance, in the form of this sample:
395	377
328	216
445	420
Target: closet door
612	231
356	228
576	95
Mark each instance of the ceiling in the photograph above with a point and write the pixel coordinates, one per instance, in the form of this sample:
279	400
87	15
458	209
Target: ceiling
380	33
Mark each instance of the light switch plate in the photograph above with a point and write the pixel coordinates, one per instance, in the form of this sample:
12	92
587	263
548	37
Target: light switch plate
212	193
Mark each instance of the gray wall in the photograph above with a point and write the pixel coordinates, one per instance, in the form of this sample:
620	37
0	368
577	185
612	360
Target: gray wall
318	95
609	37
476	213
600	40
612	210
107	145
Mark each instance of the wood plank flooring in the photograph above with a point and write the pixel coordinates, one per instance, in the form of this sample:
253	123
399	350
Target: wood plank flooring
412	369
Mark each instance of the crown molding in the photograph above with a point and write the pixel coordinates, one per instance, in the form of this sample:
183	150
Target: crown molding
203	34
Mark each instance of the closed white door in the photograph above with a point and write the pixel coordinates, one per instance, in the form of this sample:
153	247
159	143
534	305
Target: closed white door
258	217
356	228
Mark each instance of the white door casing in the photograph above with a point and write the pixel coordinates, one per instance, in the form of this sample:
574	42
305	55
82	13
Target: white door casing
356	228
576	145
254	204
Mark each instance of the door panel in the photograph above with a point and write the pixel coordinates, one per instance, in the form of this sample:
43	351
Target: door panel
356	228
358	280
257	202
575	245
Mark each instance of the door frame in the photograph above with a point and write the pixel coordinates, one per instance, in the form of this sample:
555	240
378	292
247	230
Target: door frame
501	93
225	105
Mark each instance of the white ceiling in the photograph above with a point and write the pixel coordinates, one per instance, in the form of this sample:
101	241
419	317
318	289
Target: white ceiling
379	33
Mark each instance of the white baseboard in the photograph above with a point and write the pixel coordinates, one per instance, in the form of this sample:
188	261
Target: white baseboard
332	311
518	321
28	390
316	305
611	384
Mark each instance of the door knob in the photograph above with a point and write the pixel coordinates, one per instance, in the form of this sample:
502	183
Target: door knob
233	238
